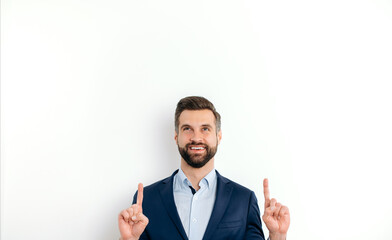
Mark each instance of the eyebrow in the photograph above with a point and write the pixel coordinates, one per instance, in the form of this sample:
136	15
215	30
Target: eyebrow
184	125
203	125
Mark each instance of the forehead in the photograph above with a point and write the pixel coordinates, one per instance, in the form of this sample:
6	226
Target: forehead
197	117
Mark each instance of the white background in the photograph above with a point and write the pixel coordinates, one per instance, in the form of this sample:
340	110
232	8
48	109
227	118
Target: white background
89	88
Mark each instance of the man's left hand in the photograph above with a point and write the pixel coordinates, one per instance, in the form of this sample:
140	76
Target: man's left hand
276	216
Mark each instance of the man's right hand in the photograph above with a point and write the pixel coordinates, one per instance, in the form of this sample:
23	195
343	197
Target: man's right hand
131	221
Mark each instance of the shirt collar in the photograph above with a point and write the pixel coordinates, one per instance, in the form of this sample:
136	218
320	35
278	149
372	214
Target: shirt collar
209	179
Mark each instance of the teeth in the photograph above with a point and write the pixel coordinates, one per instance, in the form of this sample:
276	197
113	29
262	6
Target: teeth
197	148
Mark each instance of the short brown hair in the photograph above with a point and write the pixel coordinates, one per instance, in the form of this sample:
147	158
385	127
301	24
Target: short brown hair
196	103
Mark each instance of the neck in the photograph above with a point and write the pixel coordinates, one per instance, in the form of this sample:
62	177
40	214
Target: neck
195	175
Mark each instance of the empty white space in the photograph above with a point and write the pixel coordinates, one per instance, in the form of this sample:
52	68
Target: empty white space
89	89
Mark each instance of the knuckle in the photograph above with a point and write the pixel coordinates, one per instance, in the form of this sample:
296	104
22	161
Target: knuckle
267	211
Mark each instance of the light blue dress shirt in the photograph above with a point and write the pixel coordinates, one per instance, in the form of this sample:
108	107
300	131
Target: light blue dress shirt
194	209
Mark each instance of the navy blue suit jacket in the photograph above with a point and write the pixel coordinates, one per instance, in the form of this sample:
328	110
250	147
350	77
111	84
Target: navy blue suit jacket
235	214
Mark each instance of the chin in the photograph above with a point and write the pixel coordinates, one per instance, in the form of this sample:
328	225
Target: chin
198	163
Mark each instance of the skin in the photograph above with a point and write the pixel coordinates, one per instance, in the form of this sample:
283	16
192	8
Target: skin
276	216
132	221
198	127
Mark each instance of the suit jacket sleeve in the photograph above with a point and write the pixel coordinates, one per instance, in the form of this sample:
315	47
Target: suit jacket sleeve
253	226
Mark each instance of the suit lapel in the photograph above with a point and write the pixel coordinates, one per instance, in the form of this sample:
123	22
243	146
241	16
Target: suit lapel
168	200
223	194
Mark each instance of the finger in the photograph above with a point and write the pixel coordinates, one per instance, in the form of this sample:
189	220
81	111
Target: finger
124	215
141	218
136	209
268	212
277	208
130	213
266	193
284	211
139	194
273	204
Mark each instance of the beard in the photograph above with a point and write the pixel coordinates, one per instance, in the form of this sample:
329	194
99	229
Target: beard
197	160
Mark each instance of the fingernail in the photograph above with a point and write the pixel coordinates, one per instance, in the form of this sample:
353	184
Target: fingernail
133	217
272	208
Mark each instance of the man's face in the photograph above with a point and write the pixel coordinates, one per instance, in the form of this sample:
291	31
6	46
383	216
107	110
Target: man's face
197	138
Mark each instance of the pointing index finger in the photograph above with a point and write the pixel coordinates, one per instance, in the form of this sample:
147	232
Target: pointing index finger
266	192
139	200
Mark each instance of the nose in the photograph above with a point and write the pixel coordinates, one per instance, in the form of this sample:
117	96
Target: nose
197	137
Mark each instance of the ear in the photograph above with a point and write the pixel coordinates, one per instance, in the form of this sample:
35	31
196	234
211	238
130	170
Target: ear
219	136
175	136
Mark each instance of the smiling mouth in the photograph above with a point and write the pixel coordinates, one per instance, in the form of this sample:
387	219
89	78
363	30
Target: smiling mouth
197	148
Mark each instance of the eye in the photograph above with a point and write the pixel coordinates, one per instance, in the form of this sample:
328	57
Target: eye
206	129
186	129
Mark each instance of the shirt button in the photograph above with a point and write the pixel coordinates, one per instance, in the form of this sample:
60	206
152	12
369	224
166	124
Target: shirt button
194	220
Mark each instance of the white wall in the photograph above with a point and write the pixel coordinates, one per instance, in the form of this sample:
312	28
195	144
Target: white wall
89	88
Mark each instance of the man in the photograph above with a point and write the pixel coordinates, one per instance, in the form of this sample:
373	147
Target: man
196	202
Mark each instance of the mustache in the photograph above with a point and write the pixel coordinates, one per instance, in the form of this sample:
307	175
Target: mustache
196	144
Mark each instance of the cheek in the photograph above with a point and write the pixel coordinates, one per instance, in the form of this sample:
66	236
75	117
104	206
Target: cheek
181	140
212	139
